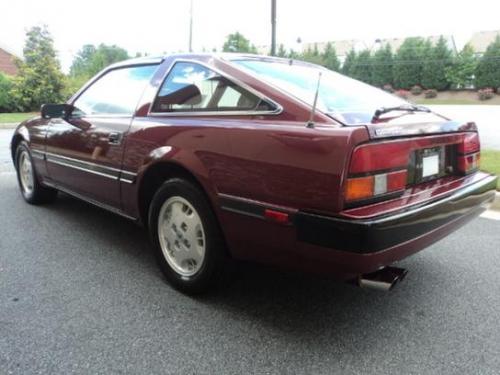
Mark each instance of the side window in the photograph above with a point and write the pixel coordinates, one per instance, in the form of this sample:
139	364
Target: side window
117	92
190	87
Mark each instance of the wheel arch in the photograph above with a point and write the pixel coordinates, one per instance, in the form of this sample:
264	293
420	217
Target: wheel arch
155	175
21	134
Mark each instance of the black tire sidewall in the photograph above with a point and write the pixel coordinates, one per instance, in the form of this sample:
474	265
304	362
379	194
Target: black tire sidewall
214	244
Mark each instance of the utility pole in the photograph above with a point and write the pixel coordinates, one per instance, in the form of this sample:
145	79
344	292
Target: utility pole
273	27
191	27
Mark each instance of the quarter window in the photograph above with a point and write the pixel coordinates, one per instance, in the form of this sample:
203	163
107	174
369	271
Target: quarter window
117	92
191	87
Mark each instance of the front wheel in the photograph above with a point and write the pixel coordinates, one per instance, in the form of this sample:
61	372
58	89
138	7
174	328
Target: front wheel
186	236
32	190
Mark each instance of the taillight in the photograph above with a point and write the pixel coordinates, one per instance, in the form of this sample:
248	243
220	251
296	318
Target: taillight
361	188
376	170
468	156
468	163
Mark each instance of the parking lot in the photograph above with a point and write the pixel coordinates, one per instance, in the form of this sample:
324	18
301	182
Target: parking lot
80	293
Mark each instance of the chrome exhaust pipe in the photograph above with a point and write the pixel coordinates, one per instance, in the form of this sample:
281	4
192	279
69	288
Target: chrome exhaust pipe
384	279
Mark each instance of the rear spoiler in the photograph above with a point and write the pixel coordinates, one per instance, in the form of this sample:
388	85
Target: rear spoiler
379	131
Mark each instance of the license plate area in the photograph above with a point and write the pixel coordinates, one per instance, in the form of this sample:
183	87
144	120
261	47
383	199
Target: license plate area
428	164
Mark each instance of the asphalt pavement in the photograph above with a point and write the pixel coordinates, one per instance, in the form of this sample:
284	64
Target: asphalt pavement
80	293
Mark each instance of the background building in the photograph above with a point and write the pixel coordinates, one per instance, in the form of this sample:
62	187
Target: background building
7	62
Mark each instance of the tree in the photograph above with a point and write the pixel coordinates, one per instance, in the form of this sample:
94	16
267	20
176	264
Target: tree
349	62
461	72
91	59
282	51
313	56
236	42
39	78
330	59
437	62
488	68
408	63
382	66
362	68
5	98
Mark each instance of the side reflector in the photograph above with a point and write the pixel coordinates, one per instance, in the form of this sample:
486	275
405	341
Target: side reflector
276	216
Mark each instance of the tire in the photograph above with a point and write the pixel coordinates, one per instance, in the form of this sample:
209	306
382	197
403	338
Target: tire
32	190
187	240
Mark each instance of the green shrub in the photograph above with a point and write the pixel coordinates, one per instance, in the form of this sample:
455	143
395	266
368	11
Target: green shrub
416	90
430	94
403	94
387	87
485	94
5	95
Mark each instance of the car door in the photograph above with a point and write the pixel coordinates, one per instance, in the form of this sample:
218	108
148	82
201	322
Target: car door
84	152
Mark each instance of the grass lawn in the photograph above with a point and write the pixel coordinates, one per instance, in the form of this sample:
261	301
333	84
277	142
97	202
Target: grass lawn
15	117
490	162
438	101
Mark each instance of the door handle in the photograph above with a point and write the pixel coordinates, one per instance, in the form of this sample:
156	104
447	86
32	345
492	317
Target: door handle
115	138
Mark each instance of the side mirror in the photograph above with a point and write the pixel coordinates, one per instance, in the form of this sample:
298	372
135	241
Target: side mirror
56	110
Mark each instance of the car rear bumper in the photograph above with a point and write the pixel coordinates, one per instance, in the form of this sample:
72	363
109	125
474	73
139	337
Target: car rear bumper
369	236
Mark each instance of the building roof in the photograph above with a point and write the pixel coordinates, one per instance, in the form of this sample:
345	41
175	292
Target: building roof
481	40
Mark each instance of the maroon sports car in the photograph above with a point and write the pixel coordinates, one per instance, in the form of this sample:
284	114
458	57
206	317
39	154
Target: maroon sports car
257	158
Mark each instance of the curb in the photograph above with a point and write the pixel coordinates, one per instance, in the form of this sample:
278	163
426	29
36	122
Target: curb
496	203
9	125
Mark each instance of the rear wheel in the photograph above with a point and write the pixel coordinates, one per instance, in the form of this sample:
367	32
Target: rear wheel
185	233
32	190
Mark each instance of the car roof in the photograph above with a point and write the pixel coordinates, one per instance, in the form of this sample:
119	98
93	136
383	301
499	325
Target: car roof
228	56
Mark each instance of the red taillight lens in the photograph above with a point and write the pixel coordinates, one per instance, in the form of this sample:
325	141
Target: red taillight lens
469	144
383	167
468	154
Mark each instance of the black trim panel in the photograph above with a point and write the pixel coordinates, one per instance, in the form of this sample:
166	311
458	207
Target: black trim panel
369	236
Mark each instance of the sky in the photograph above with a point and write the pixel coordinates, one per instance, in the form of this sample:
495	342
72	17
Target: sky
162	26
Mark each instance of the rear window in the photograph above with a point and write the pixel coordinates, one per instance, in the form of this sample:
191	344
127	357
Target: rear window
349	100
191	87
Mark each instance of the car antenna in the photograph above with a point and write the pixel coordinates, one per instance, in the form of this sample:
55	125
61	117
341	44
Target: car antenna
310	123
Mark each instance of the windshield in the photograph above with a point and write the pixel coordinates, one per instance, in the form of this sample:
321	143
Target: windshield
350	101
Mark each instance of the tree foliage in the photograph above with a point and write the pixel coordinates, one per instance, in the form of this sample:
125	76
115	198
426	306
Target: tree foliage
488	68
362	67
312	55
5	98
460	73
382	65
408	63
438	60
91	59
236	42
39	78
330	59
349	62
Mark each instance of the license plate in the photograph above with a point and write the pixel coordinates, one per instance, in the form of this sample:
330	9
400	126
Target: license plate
430	165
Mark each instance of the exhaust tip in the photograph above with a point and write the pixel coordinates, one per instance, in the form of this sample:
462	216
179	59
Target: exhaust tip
384	279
